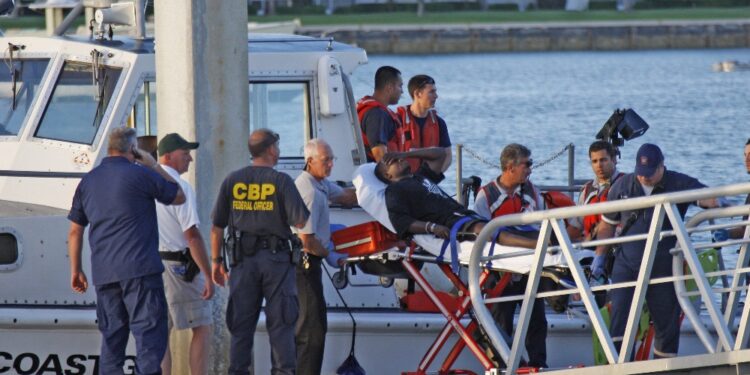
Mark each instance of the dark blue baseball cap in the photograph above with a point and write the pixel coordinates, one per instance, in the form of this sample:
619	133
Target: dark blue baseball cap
648	159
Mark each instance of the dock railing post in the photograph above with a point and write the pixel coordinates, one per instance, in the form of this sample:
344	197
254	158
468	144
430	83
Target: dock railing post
571	168
459	172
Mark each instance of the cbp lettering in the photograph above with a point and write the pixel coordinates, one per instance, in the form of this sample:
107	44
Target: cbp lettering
252	192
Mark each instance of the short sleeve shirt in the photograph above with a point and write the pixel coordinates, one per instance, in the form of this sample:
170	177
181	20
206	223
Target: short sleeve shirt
261	202
174	220
378	126
117	200
418	198
317	194
638	221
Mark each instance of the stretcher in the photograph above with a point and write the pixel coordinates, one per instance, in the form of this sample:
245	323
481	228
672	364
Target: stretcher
376	243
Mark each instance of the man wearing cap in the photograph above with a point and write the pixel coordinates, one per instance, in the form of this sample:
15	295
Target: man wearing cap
651	177
187	276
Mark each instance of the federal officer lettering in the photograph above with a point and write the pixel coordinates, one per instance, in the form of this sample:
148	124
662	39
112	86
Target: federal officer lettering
74	364
253	197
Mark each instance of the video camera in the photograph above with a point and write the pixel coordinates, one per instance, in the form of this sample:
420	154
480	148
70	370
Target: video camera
623	125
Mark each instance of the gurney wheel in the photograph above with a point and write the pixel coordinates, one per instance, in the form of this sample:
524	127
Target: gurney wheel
385	281
340	279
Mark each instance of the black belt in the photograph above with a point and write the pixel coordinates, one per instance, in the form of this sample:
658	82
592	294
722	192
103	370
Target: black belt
176	256
263	243
252	243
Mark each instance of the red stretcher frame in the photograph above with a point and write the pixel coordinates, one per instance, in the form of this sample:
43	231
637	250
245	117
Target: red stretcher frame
453	318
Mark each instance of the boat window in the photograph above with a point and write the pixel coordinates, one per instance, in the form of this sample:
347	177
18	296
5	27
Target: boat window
143	114
284	108
78	103
19	85
8	249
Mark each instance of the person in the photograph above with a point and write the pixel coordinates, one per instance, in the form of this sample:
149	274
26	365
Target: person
416	205
420	124
377	121
260	204
603	157
511	193
116	201
650	177
187	280
738	232
316	190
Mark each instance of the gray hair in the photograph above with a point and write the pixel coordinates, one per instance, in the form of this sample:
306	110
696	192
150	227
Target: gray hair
121	139
512	155
312	147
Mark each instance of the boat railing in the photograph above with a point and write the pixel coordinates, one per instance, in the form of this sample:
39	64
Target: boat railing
665	208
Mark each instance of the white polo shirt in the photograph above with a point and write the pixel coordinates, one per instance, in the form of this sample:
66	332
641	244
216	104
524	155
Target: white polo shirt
174	220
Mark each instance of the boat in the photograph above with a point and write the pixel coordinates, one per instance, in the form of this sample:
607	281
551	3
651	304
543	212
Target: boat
728	66
61	97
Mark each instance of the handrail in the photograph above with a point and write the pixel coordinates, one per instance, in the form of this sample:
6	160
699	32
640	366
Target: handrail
551	221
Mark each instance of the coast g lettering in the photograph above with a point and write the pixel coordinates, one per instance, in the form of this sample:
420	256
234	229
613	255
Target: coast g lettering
253	197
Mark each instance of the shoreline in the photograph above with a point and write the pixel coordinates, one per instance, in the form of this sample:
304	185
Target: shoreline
539	36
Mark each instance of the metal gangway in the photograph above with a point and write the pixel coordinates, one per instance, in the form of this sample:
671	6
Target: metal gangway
726	349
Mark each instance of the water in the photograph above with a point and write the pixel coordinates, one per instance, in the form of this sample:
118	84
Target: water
700	118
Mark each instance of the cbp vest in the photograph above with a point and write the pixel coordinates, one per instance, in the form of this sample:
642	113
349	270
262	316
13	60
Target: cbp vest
364	105
591	195
411	136
504	204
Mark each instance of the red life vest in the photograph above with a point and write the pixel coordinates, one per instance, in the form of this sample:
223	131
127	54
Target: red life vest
410	136
504	204
591	195
363	106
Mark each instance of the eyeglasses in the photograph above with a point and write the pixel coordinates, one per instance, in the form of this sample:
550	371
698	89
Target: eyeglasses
327	160
528	163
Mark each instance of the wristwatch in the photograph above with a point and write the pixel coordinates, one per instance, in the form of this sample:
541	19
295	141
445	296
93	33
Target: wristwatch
218	260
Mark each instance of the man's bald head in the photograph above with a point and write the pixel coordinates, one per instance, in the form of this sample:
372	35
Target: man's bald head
260	141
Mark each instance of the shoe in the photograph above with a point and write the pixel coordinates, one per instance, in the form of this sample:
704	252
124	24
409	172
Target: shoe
560	276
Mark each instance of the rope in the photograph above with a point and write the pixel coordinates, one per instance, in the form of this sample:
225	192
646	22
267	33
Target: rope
490	164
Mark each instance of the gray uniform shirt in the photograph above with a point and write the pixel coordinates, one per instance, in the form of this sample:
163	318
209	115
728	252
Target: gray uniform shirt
316	195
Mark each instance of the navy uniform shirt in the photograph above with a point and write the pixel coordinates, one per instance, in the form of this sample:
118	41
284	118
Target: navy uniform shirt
628	187
117	199
378	126
261	201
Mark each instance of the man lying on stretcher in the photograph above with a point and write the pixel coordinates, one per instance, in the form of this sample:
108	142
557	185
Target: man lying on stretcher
416	205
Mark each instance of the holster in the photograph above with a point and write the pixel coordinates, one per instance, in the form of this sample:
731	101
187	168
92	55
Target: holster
295	249
232	253
191	268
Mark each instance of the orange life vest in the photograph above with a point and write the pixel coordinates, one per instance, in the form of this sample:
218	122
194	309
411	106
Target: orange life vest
591	195
504	204
364	105
410	136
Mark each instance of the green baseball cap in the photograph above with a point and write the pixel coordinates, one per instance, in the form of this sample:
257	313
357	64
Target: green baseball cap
174	141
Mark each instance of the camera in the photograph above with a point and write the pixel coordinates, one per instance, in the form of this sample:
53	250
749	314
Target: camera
623	125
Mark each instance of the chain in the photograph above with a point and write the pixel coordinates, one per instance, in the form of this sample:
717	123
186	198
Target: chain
490	164
553	157
484	161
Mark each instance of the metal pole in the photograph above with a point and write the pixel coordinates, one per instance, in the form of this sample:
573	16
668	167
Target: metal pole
139	29
65	24
459	172
571	167
147	106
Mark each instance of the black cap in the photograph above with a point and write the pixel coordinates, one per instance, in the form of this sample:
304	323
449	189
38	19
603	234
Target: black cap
174	141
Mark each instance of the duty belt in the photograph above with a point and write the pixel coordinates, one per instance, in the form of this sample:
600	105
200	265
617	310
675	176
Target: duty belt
176	256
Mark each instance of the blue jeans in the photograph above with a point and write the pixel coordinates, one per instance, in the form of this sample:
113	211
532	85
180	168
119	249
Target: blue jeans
134	305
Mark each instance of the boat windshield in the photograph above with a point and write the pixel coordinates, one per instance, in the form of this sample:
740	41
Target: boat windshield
283	107
78	102
19	85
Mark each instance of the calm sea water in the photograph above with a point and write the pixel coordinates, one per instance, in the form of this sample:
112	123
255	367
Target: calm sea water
700	118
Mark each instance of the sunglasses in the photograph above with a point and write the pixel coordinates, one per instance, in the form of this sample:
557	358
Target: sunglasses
529	163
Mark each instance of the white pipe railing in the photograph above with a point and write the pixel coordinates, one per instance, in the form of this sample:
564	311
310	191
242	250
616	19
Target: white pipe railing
552	221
